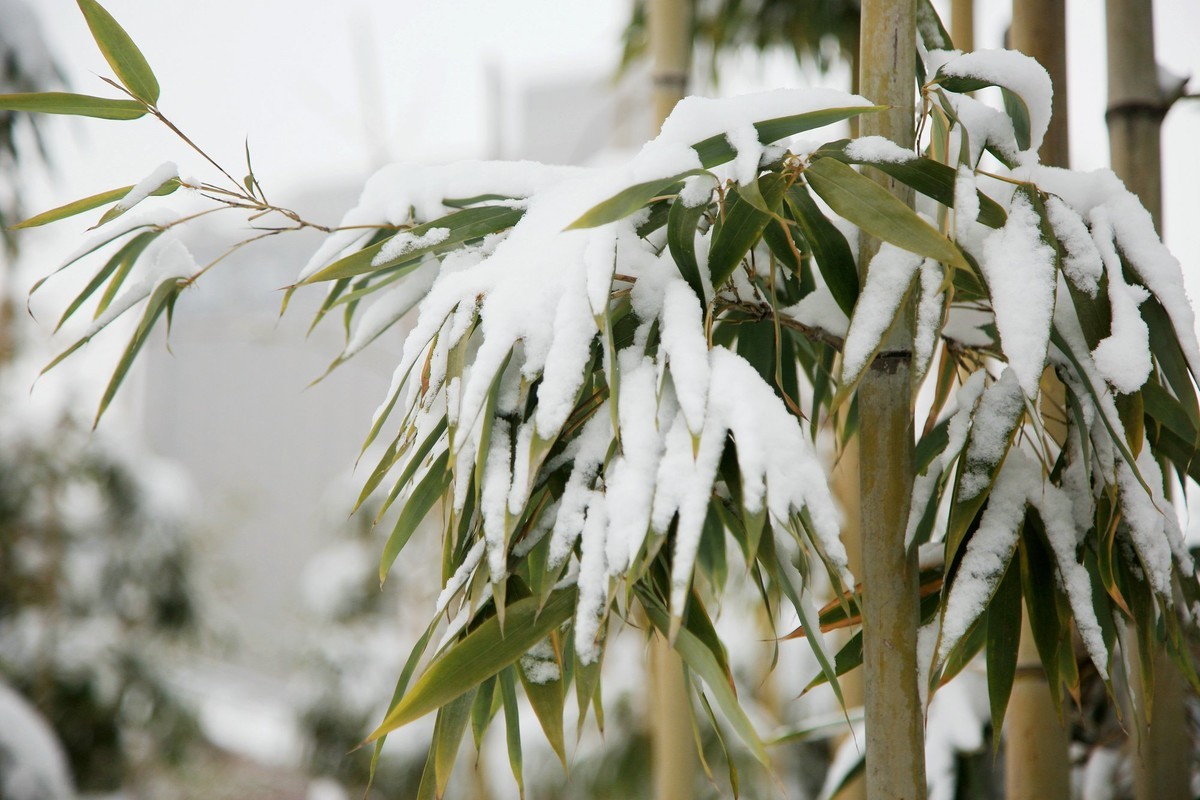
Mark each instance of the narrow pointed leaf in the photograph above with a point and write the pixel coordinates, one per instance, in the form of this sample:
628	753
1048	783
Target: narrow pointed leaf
717	150
629	200
160	299
120	52
872	208
681	240
75	105
74	207
1003	638
463	226
741	229
451	725
829	246
512	727
478	656
431	487
547	701
927	176
701	661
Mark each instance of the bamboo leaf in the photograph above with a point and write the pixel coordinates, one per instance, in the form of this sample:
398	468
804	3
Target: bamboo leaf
547	699
75	207
161	299
450	726
76	105
1003	638
512	727
716	150
120	52
829	246
925	175
431	487
742	228
123	258
479	655
463	226
700	659
681	240
166	187
872	208
632	199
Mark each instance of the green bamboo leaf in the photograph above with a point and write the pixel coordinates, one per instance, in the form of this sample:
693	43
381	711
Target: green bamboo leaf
829	246
410	667
431	487
701	660
716	150
930	28
463	226
742	228
167	187
1015	106
681	241
632	199
547	700
75	105
449	729
1003	638
875	210
587	687
479	655
512	727
483	710
161	299
410	469
123	258
74	207
120	52
1039	584
925	175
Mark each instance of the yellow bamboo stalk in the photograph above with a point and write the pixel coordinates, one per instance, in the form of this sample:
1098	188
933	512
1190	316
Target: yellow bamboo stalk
962	24
1036	761
673	748
894	717
1161	741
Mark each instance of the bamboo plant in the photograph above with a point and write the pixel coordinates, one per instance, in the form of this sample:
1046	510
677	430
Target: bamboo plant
612	391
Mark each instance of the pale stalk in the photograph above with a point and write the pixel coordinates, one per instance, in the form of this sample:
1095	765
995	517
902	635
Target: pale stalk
962	24
895	743
845	484
673	747
1036	763
1161	740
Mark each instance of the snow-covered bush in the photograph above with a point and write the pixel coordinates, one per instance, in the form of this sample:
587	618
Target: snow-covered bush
615	373
94	568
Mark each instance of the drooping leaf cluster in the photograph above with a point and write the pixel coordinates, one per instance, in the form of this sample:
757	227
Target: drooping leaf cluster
617	377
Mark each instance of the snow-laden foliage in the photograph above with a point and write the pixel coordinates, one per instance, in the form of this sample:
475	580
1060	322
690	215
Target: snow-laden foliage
616	373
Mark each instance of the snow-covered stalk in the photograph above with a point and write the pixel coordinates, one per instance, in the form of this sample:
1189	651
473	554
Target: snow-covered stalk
894	716
1161	741
1035	751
